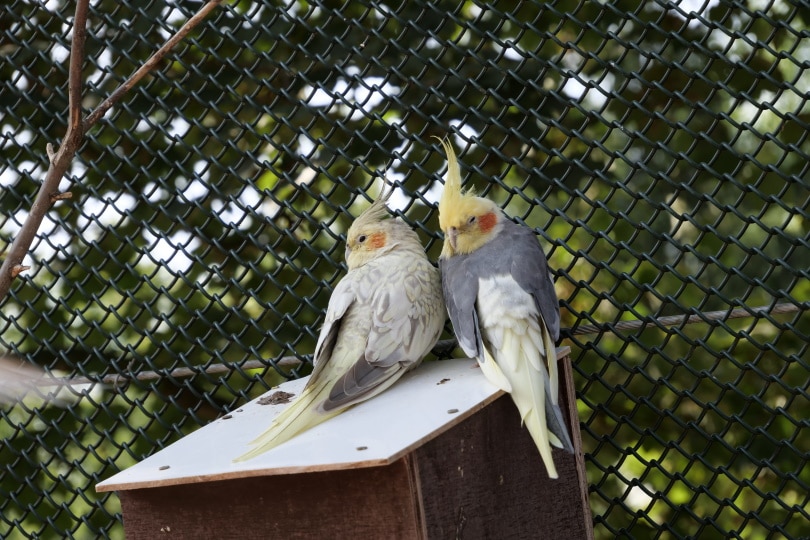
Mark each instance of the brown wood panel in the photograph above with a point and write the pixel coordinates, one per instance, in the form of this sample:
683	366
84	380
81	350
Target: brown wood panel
485	480
364	503
568	400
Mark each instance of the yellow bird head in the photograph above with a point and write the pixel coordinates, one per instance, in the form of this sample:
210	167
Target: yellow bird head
467	221
372	234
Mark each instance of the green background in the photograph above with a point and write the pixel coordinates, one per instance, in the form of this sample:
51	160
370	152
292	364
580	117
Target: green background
660	151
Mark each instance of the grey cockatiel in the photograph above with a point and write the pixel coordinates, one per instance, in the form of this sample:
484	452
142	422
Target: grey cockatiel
503	306
384	316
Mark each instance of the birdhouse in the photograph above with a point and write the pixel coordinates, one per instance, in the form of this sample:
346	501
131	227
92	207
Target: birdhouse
441	454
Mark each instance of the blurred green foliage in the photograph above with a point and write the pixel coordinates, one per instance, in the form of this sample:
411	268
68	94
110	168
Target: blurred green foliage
661	154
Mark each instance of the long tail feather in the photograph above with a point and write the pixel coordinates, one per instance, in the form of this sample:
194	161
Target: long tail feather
529	392
298	417
557	427
493	373
554	416
555	421
551	360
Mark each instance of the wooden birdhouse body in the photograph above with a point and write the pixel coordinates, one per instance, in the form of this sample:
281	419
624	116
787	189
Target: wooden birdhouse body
442	454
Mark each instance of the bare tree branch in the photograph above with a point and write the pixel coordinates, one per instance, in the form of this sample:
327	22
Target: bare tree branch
149	65
44	379
59	161
75	72
681	320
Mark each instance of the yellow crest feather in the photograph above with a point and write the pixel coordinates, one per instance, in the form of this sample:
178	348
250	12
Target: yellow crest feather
452	199
459	212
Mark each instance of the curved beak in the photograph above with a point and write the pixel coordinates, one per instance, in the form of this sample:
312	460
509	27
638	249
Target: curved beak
452	237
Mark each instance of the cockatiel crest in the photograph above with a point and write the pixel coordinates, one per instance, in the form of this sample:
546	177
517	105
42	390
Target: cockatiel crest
502	303
372	235
467	220
383	317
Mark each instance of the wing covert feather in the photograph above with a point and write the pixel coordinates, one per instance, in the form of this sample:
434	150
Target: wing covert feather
531	272
406	317
460	293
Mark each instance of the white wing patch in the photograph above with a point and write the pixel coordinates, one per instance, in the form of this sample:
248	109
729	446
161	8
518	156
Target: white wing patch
502	305
513	331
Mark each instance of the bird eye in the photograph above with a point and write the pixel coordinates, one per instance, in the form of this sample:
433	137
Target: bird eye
471	220
361	238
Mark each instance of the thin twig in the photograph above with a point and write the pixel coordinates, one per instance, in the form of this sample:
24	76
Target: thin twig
117	379
680	320
75	71
59	161
149	65
17	269
441	348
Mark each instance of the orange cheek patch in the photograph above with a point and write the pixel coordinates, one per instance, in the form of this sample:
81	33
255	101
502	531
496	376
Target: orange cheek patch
376	240
487	221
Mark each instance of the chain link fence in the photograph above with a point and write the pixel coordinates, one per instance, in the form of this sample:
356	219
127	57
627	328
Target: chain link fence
660	149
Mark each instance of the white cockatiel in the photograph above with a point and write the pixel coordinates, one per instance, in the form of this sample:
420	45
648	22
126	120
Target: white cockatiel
383	317
503	306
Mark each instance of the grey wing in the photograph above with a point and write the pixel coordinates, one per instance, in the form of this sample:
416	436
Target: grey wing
363	381
407	318
460	293
530	270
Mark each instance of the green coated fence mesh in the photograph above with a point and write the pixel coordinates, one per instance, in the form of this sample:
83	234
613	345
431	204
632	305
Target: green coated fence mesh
659	148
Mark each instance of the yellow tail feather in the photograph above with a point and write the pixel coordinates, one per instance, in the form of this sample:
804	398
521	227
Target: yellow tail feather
529	392
300	416
551	359
493	373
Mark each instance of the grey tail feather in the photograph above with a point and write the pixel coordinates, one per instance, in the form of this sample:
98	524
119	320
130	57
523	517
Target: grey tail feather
556	424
